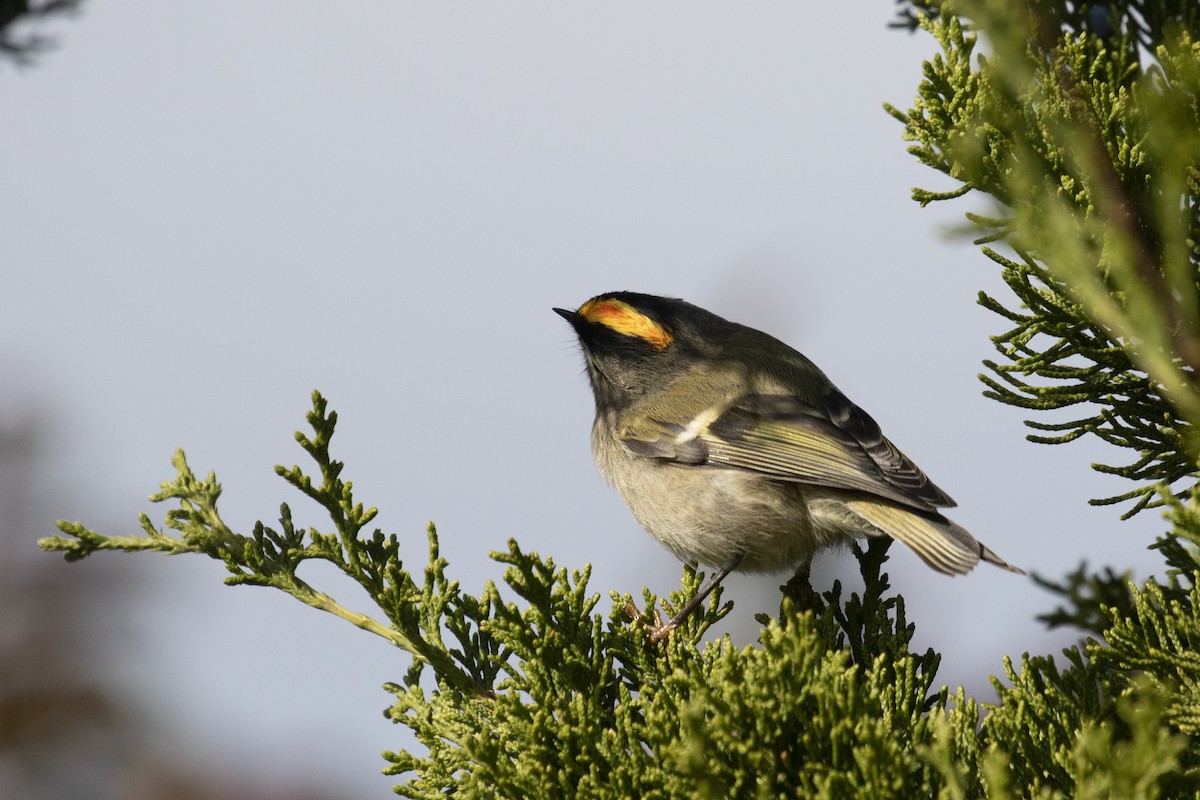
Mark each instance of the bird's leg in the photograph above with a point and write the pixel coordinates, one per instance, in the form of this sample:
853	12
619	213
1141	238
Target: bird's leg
662	631
799	589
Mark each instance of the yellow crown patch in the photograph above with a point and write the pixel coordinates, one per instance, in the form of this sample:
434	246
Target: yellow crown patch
625	319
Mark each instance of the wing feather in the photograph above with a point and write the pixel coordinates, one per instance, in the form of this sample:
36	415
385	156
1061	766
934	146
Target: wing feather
784	438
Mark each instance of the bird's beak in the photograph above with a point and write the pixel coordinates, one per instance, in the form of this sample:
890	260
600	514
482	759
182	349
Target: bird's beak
570	316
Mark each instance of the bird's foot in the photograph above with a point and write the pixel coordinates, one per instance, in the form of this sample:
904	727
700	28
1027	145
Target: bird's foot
801	591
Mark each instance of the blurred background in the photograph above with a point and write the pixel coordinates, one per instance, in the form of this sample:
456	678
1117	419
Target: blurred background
209	210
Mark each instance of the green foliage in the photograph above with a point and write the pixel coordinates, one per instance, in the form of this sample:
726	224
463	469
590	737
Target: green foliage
18	15
271	557
1088	598
604	713
1092	155
1082	124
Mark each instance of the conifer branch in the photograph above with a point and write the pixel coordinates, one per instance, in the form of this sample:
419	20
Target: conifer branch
1091	154
271	557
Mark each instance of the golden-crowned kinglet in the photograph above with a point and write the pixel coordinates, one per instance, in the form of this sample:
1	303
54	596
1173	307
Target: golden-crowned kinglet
735	451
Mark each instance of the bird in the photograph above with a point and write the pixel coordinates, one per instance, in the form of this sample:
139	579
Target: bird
735	451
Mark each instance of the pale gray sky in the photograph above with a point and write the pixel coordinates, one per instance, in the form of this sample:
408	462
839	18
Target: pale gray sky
212	209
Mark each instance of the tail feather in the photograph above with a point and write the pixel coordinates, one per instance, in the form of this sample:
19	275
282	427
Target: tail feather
943	545
991	558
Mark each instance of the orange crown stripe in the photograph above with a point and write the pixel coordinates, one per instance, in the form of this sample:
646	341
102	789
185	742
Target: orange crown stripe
627	320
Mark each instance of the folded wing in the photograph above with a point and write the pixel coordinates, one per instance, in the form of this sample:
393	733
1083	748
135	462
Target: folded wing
784	438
